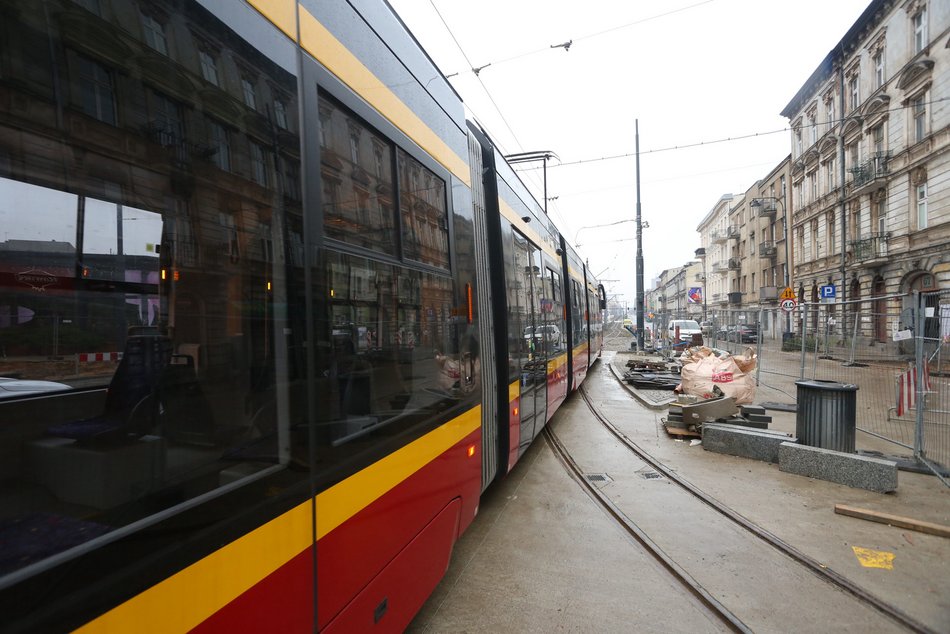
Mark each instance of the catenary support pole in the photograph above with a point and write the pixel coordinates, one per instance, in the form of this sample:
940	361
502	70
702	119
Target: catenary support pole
639	246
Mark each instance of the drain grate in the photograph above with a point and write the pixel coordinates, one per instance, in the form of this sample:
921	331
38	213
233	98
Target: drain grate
598	477
651	475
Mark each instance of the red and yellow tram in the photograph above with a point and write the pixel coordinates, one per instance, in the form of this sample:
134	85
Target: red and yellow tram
306	311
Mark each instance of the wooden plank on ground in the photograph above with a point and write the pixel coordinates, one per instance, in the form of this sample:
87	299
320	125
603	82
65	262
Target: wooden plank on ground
894	520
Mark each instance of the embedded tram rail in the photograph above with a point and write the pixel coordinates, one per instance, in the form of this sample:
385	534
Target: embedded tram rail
783	547
691	587
546	554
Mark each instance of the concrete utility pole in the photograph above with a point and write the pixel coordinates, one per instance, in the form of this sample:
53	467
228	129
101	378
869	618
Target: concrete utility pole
639	246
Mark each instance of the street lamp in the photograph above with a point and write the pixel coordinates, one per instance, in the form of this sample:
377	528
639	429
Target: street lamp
758	203
701	255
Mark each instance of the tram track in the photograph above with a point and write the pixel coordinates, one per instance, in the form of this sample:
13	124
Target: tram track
702	595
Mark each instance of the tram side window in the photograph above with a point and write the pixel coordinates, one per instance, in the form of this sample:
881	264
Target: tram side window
521	304
398	357
425	231
156	294
552	313
357	179
577	313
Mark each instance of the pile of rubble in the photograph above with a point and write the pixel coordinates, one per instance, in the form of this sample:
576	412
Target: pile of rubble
652	375
688	414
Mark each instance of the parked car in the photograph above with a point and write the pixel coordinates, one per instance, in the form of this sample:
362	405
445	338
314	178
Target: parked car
687	328
14	388
551	335
746	333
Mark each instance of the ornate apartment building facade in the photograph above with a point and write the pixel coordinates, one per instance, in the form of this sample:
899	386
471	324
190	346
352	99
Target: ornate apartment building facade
870	163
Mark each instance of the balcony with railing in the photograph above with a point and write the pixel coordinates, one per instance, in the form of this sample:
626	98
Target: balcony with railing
735	298
718	236
766	208
768	249
870	248
734	264
719	266
768	294
864	177
732	232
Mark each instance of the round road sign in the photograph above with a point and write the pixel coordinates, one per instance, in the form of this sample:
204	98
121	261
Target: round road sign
788	305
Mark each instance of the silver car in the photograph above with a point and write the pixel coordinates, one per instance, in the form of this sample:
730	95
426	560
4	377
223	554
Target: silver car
14	388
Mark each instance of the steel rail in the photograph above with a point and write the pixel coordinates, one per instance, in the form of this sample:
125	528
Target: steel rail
703	596
815	566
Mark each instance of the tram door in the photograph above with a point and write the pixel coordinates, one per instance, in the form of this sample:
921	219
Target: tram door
528	343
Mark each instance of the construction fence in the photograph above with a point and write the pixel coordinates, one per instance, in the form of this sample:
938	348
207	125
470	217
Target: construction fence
895	348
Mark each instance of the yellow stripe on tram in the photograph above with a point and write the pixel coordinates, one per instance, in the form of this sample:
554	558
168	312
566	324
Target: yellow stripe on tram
319	42
208	585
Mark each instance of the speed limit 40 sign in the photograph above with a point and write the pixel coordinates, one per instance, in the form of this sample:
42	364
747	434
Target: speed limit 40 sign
788	305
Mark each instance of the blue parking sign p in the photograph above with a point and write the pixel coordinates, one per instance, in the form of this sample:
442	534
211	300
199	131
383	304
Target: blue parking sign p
827	291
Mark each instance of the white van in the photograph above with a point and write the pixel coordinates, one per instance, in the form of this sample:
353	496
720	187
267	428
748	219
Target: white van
687	328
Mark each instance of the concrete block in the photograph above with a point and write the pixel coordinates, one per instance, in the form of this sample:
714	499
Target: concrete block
745	410
758	444
853	470
709	410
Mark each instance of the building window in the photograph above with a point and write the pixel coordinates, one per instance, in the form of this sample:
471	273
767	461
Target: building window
154	32
218	140
854	92
830	112
878	68
798	142
813	135
877	139
167	121
355	146
247	88
882	216
920	30
922	206
324	115
292	174
919	109
831	232
96	91
209	69
813	186
258	167
830	175
855	152
280	114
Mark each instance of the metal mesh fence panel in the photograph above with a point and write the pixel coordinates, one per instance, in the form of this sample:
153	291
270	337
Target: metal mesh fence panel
874	343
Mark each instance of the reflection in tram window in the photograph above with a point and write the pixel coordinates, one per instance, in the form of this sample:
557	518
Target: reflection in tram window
399	356
151	259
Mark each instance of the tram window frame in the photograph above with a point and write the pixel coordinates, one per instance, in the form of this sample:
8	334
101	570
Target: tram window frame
383	135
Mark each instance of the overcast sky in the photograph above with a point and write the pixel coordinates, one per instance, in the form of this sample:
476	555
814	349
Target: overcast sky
691	71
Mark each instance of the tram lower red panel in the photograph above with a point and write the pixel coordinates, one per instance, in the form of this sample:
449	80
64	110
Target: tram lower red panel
392	598
557	388
287	594
397	548
360	548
